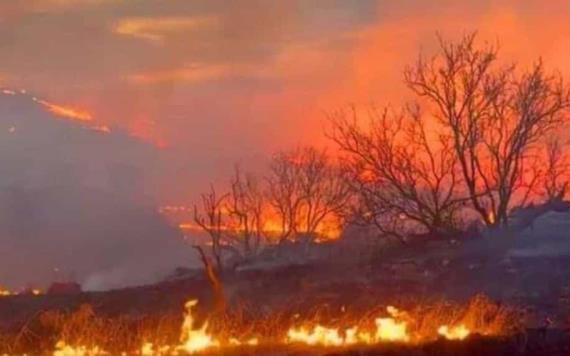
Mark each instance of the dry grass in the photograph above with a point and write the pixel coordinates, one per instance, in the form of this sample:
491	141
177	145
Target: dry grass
84	327
481	315
245	320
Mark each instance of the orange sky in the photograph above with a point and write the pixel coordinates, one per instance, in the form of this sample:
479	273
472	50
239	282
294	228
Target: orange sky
218	83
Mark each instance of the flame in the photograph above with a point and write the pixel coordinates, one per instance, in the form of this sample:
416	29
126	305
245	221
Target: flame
387	330
320	335
251	342
193	339
62	349
491	216
66	111
148	349
458	332
4	292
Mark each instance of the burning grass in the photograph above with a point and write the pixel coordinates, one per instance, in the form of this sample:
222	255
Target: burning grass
83	332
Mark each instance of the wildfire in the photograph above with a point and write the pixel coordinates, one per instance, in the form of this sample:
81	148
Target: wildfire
199	339
62	349
62	111
66	111
327	230
393	328
387	330
458	332
32	291
194	340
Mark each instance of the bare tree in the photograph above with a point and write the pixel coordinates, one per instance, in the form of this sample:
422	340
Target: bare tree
284	193
495	115
305	190
325	192
405	180
209	216
557	171
234	221
247	210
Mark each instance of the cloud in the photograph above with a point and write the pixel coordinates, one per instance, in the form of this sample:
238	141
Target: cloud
190	73
155	29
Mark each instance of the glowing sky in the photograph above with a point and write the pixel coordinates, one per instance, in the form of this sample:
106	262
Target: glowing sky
221	81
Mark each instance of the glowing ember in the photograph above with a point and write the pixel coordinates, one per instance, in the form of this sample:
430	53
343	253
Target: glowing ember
326	230
33	291
458	332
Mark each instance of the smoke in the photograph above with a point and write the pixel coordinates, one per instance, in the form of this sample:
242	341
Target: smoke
77	203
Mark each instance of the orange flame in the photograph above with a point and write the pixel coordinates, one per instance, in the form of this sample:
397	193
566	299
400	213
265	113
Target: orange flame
66	111
195	339
62	349
458	332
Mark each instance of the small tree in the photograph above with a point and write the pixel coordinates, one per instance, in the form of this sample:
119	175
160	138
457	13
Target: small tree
557	171
246	207
209	216
305	189
234	221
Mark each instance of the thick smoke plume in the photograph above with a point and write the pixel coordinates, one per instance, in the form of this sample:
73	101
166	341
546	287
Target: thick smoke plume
76	203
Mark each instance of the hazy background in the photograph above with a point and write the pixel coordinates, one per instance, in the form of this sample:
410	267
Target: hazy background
188	88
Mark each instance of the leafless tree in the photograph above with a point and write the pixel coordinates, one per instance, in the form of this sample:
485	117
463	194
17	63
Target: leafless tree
405	180
305	189
234	221
557	171
246	207
495	115
209	216
284	193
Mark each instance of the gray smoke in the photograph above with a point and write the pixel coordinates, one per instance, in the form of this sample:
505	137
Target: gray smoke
78	204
